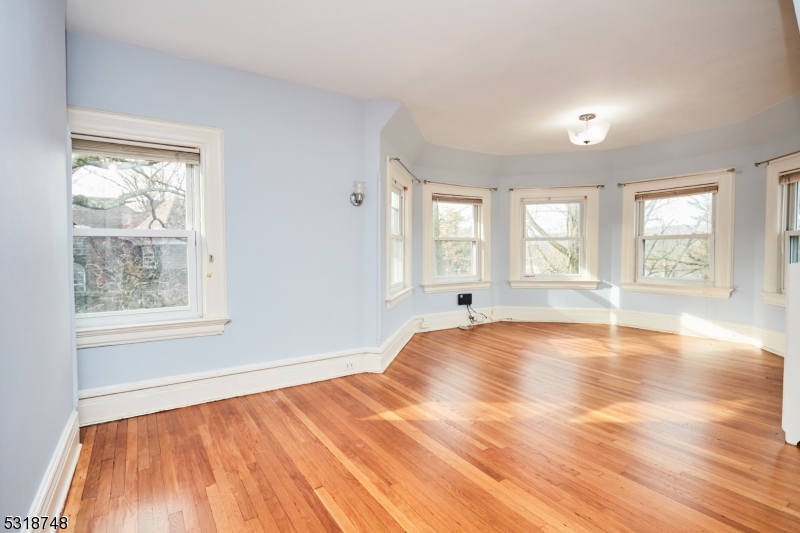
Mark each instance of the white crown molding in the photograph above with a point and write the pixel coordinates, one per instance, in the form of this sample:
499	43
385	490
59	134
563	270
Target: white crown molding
52	493
144	397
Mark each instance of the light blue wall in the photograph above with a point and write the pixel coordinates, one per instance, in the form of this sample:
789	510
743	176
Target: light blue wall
298	253
36	356
293	150
769	134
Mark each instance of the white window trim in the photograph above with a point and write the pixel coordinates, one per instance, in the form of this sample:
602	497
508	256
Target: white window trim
588	278
723	234
213	307
774	228
484	279
396	174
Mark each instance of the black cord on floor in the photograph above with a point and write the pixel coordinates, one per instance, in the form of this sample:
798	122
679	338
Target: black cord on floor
472	318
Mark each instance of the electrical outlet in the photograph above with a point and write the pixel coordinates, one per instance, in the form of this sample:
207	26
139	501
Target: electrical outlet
424	324
465	299
349	366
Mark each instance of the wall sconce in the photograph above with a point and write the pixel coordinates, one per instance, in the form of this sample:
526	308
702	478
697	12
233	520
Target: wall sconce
358	193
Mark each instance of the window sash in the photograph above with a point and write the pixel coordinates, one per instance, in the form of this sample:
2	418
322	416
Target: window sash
161	313
476	251
401	262
580	238
641	237
790	195
193	259
476	227
640	275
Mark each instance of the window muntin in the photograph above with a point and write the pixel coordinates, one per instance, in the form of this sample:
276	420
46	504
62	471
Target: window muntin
790	192
455	238
134	238
675	237
397	233
552	239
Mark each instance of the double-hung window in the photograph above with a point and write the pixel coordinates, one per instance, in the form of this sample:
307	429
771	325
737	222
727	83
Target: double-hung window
675	235
782	239
398	235
554	238
134	240
678	235
147	226
456	246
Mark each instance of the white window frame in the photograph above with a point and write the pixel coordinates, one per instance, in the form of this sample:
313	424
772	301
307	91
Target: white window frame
722	254
588	277
207	313
775	233
398	178
482	279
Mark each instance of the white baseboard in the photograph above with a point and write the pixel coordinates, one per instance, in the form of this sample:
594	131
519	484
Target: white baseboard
145	397
115	402
768	340
52	493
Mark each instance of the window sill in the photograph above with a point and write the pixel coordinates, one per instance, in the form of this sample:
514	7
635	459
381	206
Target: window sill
578	284
458	286
679	290
398	297
132	333
772	298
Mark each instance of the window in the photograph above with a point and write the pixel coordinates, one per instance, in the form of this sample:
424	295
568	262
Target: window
782	239
678	235
148	250
456	226
554	236
398	276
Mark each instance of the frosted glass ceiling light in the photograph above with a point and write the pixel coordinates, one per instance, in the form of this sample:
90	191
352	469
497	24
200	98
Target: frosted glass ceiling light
592	131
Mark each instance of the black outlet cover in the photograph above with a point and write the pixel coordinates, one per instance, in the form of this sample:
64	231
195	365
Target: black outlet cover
465	299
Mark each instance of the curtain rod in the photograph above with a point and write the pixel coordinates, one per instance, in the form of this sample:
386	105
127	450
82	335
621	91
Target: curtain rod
563	187
774	158
405	167
460	185
732	169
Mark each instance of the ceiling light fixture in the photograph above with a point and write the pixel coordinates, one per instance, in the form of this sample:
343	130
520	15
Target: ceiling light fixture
586	133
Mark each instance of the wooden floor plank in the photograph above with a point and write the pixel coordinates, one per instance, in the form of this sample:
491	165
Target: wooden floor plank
506	427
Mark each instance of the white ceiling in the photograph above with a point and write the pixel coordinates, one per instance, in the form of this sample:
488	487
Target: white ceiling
499	76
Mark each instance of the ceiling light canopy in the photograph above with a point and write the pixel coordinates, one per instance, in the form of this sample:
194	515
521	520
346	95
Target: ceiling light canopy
589	131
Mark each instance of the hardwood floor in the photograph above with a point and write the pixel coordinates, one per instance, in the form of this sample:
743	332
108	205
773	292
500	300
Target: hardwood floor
507	427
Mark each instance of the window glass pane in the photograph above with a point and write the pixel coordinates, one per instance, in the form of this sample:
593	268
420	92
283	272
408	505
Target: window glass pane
455	258
397	261
552	257
552	220
396	214
453	220
127	193
677	258
125	273
679	215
